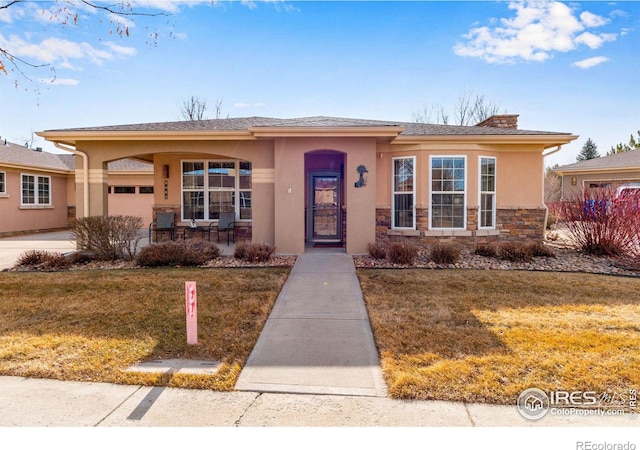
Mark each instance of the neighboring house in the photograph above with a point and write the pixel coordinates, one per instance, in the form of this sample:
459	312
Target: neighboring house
37	189
329	180
605	172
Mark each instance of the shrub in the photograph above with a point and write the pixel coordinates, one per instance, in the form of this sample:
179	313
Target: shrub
254	251
81	257
445	253
43	260
378	250
540	250
177	253
108	237
488	250
402	252
514	251
602	223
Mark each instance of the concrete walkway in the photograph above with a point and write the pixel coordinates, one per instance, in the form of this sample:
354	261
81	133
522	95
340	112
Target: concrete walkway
318	339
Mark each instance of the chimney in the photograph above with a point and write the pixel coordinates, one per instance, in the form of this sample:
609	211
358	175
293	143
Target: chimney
500	121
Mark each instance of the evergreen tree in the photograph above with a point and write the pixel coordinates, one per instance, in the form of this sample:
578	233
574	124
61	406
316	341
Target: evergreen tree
589	151
632	145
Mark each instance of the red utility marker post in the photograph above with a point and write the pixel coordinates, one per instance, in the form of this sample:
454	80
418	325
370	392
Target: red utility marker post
192	312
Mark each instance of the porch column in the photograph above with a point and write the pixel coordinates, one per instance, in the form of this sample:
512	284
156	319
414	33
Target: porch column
98	193
262	205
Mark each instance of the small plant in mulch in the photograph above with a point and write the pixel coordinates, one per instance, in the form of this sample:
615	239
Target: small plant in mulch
378	250
445	253
402	252
254	251
514	252
489	250
177	253
538	249
43	260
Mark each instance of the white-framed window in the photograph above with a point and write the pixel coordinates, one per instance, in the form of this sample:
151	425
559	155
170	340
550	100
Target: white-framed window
3	183
36	190
448	199
487	190
211	187
403	207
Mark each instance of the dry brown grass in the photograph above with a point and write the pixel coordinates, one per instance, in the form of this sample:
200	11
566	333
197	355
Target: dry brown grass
484	336
90	325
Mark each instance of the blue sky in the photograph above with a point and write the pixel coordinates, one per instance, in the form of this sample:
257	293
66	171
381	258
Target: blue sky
569	67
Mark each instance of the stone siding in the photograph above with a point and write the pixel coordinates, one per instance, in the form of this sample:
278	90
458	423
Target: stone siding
512	225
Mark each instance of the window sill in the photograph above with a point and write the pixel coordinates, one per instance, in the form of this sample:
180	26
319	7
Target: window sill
401	232
488	232
5	196
26	207
436	233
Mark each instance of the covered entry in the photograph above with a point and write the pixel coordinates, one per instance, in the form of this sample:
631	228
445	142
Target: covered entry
325	211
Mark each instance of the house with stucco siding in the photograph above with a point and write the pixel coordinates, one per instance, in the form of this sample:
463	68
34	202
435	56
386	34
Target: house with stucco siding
37	189
317	181
605	172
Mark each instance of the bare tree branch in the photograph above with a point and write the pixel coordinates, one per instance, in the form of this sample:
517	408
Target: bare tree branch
194	109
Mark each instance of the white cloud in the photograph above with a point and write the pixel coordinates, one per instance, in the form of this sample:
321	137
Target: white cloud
60	81
593	20
62	52
8	15
594	41
121	50
590	62
249	105
538	30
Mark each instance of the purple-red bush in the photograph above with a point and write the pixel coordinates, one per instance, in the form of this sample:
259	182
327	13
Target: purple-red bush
602	222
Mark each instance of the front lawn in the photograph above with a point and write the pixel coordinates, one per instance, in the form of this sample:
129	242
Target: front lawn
484	336
90	325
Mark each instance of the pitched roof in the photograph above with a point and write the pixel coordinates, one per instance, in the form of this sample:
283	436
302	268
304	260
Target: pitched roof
245	123
626	160
14	154
23	156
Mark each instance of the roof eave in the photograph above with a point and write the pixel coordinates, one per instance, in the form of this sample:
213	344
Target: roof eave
71	137
590	170
362	131
548	141
32	168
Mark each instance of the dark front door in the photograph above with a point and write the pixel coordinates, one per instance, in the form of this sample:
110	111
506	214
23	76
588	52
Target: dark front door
324	221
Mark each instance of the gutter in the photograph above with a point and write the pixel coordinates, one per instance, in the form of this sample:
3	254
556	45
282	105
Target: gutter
557	149
85	174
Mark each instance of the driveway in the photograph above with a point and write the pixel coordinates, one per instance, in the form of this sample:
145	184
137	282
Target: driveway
12	247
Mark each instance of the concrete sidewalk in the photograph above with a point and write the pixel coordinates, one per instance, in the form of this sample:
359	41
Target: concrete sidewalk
31	402
317	339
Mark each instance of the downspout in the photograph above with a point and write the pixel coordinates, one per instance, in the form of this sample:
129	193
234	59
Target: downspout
85	173
546	208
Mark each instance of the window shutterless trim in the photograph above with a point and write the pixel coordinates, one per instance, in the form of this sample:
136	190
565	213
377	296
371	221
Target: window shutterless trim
207	190
36	189
463	192
481	192
394	193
